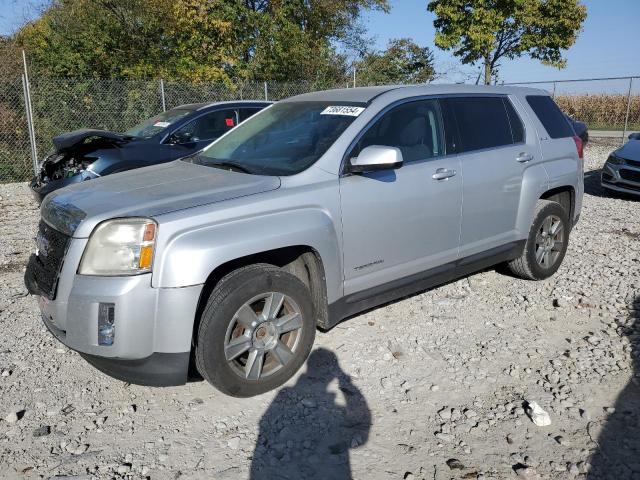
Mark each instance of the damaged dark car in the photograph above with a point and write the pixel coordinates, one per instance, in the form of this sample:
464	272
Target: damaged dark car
89	153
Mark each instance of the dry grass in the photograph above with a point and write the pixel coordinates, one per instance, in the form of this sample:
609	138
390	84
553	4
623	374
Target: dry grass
602	111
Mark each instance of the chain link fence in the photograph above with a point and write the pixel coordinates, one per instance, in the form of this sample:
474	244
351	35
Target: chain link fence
15	153
611	107
62	105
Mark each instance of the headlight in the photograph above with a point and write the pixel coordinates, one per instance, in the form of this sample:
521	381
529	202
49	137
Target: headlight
613	160
123	246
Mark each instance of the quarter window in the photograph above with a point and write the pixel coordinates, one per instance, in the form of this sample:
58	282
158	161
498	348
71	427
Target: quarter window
482	122
415	128
552	118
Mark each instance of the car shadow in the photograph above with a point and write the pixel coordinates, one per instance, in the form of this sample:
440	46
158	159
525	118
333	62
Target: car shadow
592	184
617	455
309	428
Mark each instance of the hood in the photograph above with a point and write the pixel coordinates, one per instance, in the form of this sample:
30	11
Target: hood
148	192
630	150
69	140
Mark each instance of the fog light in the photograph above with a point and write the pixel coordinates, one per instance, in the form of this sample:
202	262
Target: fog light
106	327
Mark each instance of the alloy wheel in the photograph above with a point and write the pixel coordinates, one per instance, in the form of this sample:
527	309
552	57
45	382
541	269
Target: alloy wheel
263	335
549	241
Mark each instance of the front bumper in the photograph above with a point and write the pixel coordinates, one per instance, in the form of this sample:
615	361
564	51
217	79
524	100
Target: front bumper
621	178
153	326
41	190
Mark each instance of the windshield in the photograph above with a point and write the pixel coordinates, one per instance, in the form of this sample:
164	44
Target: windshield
156	124
284	139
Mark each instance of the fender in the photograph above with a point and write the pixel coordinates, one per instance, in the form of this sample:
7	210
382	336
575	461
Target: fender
567	172
189	256
535	182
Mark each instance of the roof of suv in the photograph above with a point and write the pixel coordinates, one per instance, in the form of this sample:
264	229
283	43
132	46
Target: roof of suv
367	94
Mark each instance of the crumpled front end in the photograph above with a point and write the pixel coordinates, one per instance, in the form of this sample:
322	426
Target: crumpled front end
71	161
57	171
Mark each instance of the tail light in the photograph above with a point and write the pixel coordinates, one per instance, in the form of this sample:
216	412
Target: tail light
579	146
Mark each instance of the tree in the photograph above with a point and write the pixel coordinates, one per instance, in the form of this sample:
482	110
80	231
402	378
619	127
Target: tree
194	40
403	61
490	30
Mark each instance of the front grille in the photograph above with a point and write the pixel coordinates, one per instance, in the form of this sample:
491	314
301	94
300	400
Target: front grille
44	266
630	175
633	163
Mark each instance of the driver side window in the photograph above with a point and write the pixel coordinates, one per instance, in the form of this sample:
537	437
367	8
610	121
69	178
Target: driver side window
415	128
209	126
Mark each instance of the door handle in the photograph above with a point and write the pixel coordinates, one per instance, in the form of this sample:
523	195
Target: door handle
443	174
524	157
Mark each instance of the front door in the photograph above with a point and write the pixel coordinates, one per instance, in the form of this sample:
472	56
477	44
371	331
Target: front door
404	221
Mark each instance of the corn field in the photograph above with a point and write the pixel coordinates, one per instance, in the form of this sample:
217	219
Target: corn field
602	111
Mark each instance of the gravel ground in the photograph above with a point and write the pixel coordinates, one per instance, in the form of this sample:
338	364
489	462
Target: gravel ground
431	387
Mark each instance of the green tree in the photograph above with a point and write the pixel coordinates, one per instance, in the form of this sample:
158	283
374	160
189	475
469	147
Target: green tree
195	40
403	61
127	38
490	30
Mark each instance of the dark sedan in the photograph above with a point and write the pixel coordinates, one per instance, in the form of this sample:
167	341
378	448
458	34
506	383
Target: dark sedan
86	154
621	172
580	128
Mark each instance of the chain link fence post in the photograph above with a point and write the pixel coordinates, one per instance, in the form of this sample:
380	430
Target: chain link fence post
626	117
29	114
266	96
553	95
164	103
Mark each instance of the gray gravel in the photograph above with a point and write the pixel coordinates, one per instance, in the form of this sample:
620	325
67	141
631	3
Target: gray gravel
435	386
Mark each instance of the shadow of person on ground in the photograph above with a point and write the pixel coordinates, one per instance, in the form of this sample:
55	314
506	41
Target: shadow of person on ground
617	456
309	428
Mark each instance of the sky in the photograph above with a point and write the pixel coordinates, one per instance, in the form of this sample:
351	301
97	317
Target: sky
607	46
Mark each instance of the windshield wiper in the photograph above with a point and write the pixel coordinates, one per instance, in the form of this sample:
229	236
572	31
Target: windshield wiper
230	166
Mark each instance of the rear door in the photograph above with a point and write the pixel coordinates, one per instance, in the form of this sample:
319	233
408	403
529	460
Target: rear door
494	153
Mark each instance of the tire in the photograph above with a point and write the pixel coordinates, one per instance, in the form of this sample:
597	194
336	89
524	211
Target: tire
235	320
527	266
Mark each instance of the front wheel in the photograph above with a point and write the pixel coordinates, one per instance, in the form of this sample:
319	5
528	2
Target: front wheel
256	331
546	245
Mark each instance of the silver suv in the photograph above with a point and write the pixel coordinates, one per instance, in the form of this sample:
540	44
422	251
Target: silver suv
315	209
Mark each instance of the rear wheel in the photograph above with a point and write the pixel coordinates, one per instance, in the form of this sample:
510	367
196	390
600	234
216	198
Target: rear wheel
546	245
256	331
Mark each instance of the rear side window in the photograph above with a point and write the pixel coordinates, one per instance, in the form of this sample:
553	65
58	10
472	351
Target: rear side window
247	112
517	129
482	122
553	120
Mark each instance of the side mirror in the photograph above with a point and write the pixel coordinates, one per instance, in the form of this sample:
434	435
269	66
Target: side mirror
376	157
180	138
